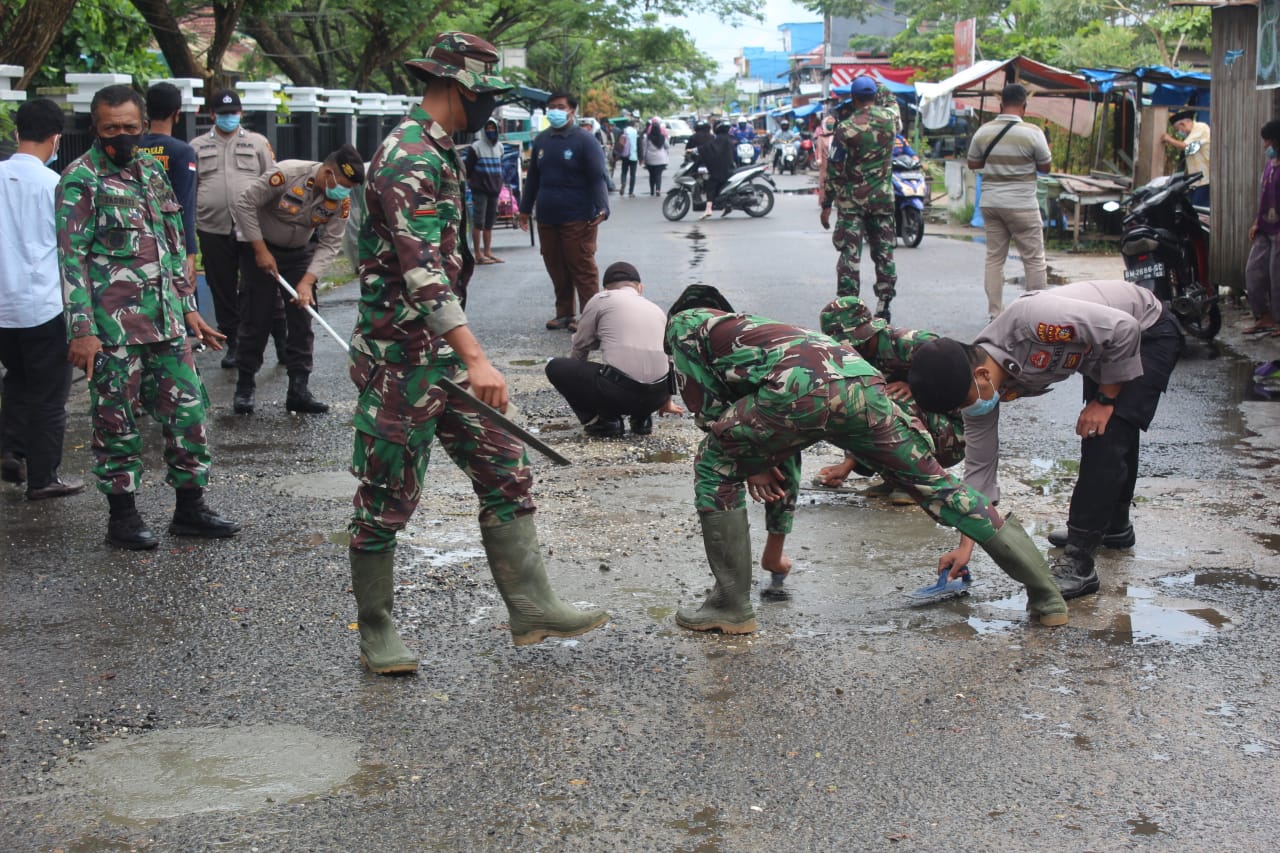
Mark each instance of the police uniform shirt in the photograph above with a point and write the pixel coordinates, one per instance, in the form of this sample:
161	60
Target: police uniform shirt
286	207
226	165
1089	327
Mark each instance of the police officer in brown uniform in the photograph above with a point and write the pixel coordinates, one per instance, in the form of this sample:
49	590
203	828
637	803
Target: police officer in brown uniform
229	158
277	217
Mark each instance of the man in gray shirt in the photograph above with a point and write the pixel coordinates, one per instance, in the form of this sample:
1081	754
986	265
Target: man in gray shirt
632	381
1123	342
1011	153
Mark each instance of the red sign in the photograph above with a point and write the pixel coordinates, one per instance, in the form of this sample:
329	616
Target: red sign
965	39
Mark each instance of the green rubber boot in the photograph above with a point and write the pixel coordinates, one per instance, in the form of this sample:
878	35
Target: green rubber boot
1013	551
727	538
533	609
380	648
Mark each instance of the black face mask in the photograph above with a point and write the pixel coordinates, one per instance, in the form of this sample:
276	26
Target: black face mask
120	148
479	110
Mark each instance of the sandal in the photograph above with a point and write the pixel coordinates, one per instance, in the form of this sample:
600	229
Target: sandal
481	259
495	260
573	326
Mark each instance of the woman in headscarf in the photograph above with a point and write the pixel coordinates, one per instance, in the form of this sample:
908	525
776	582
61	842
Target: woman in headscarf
656	154
822	152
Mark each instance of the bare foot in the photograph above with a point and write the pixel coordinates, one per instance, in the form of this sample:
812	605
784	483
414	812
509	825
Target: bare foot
773	559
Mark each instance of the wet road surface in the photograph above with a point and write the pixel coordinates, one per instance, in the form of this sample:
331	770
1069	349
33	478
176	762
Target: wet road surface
207	696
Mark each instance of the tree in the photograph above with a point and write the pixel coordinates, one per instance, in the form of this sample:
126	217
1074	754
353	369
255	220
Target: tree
100	36
28	30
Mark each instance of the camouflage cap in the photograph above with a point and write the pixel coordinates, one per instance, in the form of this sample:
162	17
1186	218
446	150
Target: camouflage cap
699	296
849	320
462	57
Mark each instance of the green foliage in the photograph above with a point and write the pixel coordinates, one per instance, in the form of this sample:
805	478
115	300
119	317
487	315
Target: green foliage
102	36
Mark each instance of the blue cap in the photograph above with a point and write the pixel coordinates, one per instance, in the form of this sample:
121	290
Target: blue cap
862	86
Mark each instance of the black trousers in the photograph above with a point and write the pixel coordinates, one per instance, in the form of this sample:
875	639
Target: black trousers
596	389
220	254
628	167
36	383
259	295
1109	462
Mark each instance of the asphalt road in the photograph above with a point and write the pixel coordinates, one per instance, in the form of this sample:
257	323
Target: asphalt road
207	696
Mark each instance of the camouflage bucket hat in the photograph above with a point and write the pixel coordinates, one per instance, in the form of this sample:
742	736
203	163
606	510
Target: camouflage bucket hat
462	57
849	320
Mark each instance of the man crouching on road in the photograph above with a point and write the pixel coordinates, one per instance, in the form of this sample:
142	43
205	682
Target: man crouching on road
764	391
410	332
128	305
1123	341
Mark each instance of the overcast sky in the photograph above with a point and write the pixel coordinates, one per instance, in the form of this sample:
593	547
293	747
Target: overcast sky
723	42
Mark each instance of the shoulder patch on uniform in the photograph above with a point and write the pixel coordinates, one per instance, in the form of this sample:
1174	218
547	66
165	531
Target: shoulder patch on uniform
1051	333
1072	361
1039	359
346	208
276	179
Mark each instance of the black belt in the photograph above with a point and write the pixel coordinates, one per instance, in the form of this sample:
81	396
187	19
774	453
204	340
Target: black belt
615	375
286	250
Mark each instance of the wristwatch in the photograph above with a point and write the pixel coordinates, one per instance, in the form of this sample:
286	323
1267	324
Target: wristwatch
1105	399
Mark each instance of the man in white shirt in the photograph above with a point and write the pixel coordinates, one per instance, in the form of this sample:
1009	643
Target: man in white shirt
632	381
33	334
1011	153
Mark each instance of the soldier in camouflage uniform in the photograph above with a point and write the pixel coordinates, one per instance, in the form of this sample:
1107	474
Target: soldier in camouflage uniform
860	187
411	332
128	302
889	350
764	391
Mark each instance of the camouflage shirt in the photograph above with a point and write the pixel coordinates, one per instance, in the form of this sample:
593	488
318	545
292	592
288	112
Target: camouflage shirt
888	349
731	356
410	244
121	252
858	176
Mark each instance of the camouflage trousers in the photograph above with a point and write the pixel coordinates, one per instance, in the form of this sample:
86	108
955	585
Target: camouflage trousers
160	379
398	413
878	228
856	415
944	431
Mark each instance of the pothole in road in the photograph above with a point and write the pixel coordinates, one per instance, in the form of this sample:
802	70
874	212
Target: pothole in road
323	485
166	774
1225	577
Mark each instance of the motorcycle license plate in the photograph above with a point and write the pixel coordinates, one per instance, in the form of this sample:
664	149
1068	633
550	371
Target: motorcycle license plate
1145	272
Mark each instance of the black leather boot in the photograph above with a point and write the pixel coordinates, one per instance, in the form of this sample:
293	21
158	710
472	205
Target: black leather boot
1120	537
299	398
242	403
642	426
1073	569
192	517
229	353
125	528
602	427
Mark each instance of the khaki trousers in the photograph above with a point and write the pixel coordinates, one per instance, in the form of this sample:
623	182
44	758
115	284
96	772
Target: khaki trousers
1024	228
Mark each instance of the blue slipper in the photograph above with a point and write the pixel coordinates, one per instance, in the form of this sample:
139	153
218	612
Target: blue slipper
942	590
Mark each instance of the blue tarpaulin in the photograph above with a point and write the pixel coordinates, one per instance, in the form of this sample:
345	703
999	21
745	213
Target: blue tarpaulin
1162	87
798	112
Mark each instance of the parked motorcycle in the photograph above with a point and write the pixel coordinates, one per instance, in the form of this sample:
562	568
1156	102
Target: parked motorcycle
749	189
1165	245
910	189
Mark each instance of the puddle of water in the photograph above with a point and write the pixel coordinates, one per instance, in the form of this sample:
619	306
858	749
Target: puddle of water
974	626
437	558
1143	825
166	774
338	537
324	485
1053	476
704	829
554	428
527	362
1270	541
1148	622
663	456
1222	577
660	614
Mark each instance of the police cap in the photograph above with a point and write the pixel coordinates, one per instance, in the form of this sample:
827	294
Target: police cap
225	101
346	162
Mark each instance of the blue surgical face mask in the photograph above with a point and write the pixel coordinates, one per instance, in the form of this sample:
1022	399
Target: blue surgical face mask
54	155
980	406
337	192
1271	153
227	122
491	135
558	118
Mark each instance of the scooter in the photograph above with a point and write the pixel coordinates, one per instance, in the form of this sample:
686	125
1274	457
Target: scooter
805	162
1165	245
788	157
746	153
909	192
749	189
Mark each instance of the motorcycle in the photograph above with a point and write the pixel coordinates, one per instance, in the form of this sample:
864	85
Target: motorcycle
805	161
1165	245
788	157
749	189
909	192
746	153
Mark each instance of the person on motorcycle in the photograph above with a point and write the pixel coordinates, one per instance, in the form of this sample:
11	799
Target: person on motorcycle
744	132
901	147
784	135
1122	340
717	157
